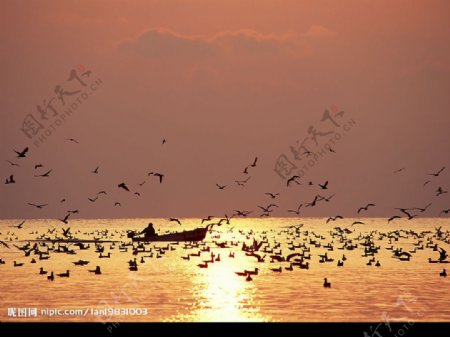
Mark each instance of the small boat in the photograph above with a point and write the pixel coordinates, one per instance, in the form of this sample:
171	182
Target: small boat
193	235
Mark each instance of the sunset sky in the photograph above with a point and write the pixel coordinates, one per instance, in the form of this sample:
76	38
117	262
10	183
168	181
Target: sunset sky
225	81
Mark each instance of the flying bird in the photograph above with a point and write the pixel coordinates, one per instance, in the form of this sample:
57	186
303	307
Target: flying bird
254	162
10	180
440	191
72	140
163	142
399	170
124	186
117	204
102	192
437	173
445	211
357	223
324	186
334	218
21	154
137	194
95	170
159	175
175	220
221	187
93	200
296	211
38	166
245	170
45	175
38	206
4	244
365	208
209	218
242	213
292	179
422	209
19	226
392	218
272	195
13	164
316	199
65	218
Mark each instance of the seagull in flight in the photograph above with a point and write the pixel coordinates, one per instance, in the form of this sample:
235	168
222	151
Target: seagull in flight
93	199
38	206
296	211
292	179
65	218
254	162
221	187
156	174
365	208
124	186
96	170
437	173
72	140
19	226
242	213
334	218
272	195
209	218
4	244
10	180
399	170
21	154
440	191
45	175
175	220
13	164
324	186
117	204
392	218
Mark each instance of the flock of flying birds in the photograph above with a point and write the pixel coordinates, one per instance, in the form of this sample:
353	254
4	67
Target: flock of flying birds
265	243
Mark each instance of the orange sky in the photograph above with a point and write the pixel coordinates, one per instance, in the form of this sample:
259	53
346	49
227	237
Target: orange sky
225	81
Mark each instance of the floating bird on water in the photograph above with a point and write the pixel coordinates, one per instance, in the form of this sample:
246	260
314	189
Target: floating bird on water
326	284
66	274
443	273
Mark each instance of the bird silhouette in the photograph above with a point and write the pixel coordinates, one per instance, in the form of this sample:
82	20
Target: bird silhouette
124	186
175	220
117	204
38	166
93	199
4	244
13	164
437	173
399	170
254	162
334	218
292	179
392	218
440	191
38	206
365	208
21	154
65	218
19	226
445	211
221	187
272	195
73	140
10	180
208	218
137	194
45	175
95	170
357	223
297	211
159	175
324	186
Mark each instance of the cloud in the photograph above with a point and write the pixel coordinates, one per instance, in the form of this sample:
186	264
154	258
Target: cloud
164	43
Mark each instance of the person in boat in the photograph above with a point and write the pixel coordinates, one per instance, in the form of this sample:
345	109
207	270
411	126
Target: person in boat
149	231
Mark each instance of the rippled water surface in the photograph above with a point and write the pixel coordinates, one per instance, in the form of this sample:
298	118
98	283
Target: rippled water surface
175	289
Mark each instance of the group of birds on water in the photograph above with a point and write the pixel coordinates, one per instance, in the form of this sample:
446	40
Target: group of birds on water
267	245
285	249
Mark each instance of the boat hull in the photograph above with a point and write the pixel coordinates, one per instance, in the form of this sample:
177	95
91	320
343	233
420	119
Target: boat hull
195	235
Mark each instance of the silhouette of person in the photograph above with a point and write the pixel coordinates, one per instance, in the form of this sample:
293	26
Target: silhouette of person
149	231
